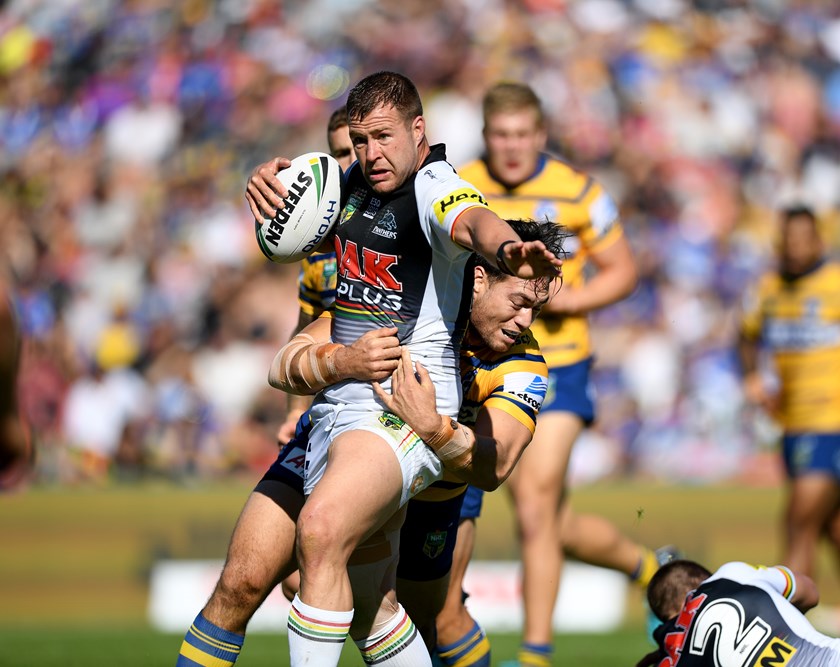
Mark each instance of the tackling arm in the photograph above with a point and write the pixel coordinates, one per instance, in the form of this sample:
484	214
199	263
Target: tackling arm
483	456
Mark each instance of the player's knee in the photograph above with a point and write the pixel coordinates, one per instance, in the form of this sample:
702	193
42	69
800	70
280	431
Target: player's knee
535	518
321	537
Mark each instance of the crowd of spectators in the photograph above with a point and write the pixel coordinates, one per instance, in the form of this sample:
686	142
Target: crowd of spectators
128	129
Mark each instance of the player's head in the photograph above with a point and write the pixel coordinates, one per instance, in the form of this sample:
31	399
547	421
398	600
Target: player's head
387	129
801	246
503	305
338	138
672	582
514	131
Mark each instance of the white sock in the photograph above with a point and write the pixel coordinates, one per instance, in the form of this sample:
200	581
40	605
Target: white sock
316	636
396	644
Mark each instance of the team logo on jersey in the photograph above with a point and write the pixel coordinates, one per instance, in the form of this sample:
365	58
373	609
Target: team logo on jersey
386	226
454	199
434	544
391	421
352	205
373	207
527	387
329	268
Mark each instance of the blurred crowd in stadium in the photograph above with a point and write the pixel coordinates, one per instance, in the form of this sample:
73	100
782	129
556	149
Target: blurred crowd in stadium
150	318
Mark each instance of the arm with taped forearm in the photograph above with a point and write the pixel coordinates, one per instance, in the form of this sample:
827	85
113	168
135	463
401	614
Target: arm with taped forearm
309	362
475	456
483	456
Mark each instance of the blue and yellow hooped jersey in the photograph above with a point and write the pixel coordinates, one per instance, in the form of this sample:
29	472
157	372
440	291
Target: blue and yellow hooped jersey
316	283
514	381
798	320
557	192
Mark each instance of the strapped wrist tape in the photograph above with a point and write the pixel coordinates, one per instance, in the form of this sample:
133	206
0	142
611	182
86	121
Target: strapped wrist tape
307	365
452	443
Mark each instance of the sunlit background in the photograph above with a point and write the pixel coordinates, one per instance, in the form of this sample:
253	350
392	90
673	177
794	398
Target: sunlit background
128	130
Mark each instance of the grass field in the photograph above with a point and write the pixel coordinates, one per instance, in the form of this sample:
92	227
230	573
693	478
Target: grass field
143	648
75	562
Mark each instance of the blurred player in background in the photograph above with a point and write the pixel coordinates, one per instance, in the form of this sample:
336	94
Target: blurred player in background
520	180
740	615
316	283
794	312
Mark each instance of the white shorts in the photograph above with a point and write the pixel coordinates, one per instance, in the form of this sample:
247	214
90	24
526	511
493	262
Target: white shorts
419	464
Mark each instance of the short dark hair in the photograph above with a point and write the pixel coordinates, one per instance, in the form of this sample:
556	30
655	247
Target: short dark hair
552	234
338	119
798	210
671	583
384	89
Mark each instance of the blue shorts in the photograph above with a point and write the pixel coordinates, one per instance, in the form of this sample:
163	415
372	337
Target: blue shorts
570	390
427	538
806	453
471	509
289	465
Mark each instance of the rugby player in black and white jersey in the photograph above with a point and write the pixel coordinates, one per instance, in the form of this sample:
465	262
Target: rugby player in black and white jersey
740	616
405	235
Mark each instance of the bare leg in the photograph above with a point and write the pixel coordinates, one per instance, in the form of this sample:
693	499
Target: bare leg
536	486
812	502
260	554
594	540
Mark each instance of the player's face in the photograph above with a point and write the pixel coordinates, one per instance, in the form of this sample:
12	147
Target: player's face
341	148
801	245
504	308
387	147
514	140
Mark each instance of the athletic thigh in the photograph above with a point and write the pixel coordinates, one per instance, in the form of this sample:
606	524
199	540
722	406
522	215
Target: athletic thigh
542	468
360	489
813	500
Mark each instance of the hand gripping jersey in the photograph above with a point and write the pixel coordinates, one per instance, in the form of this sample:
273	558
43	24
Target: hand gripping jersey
397	265
799	321
558	192
741	617
514	382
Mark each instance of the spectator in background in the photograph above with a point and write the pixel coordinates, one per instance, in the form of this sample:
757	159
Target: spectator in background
794	313
683	111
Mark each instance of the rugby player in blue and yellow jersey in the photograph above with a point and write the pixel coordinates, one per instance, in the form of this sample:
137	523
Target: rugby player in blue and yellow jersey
794	312
520	180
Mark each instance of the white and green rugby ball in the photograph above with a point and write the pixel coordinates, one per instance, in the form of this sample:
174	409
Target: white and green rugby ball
311	211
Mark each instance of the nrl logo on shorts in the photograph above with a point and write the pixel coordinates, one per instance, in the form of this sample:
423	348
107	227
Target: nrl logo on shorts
391	421
434	544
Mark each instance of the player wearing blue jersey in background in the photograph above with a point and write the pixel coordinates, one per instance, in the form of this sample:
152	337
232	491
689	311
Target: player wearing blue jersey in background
794	312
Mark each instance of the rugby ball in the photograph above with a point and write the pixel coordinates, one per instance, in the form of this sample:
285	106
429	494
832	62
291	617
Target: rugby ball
311	209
